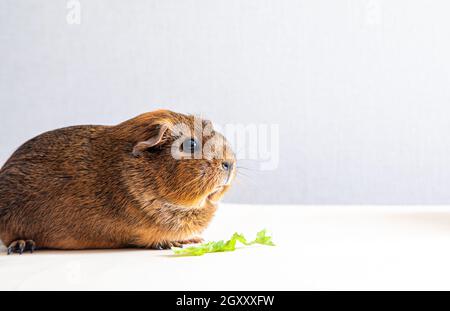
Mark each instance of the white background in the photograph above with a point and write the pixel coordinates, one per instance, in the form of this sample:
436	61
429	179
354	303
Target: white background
359	88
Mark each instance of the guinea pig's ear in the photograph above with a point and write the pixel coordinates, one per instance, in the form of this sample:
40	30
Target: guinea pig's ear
153	141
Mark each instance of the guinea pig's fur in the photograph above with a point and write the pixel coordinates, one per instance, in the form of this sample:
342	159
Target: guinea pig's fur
115	186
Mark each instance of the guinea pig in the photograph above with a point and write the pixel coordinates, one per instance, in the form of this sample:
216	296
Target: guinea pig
150	182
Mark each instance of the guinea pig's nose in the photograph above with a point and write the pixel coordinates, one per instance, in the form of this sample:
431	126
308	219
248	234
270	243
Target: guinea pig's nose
227	166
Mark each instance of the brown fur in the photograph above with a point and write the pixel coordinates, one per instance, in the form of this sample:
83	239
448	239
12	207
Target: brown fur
82	187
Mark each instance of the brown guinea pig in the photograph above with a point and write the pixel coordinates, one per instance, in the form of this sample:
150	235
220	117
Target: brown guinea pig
149	182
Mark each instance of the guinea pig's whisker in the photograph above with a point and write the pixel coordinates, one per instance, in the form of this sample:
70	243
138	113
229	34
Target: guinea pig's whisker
242	174
241	180
246	178
246	168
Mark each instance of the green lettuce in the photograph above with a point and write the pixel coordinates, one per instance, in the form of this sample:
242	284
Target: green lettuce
223	246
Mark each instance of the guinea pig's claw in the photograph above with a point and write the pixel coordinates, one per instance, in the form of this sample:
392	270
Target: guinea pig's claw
195	240
176	244
179	244
159	246
165	245
31	246
19	246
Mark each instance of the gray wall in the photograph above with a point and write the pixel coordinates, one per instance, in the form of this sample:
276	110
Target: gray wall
359	88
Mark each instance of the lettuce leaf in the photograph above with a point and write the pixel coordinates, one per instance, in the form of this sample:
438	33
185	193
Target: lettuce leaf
223	246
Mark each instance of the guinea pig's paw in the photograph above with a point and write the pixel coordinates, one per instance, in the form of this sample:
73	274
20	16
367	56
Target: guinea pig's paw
20	246
194	240
166	245
170	244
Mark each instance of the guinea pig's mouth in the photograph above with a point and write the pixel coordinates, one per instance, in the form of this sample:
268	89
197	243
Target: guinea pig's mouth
211	196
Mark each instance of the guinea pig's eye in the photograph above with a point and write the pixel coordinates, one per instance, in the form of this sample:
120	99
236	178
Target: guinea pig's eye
190	145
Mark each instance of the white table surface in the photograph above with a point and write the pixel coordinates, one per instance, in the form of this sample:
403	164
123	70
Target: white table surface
318	248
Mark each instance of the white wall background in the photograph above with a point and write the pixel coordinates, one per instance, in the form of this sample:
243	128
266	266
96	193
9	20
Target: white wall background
360	88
